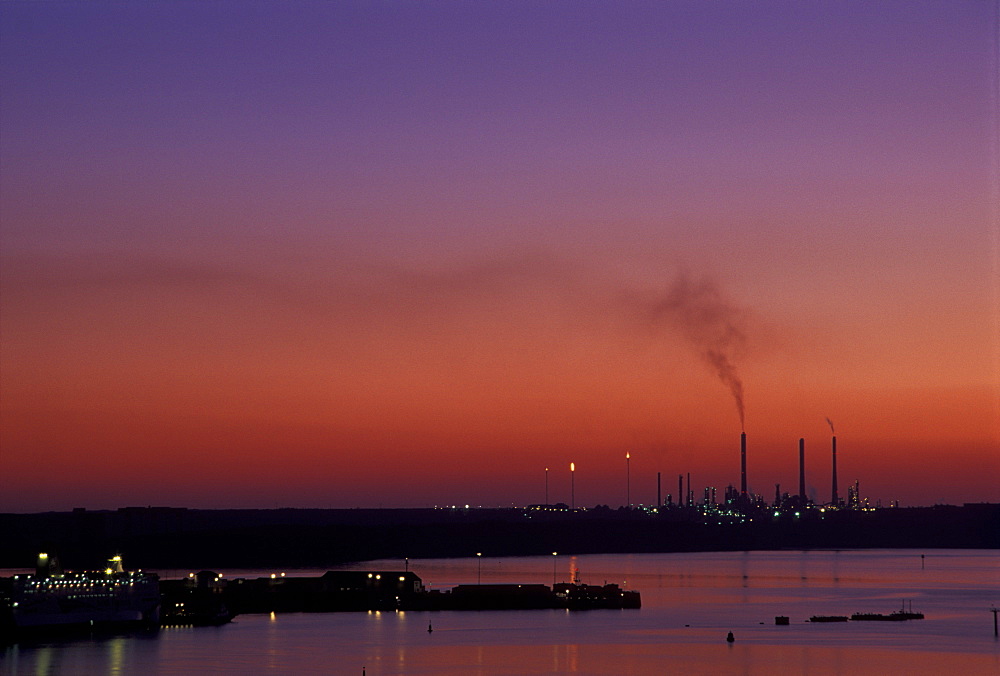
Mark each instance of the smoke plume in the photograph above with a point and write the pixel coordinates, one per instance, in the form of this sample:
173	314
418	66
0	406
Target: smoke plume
711	324
830	423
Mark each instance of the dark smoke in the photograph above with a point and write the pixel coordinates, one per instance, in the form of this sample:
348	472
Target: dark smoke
830	423
711	323
727	373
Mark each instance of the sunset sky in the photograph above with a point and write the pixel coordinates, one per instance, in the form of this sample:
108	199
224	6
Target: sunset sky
308	254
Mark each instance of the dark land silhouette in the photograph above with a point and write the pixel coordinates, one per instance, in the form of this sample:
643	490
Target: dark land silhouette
179	538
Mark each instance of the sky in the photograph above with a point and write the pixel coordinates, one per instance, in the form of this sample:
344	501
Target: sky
406	254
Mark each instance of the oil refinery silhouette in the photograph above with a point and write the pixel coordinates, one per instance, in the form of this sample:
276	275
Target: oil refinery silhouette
169	537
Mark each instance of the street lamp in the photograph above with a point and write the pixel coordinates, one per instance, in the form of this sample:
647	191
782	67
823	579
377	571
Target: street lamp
479	573
628	481
554	555
572	485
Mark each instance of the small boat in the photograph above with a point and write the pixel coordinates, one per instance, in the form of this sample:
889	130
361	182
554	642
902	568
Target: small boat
900	615
873	617
905	614
828	618
895	616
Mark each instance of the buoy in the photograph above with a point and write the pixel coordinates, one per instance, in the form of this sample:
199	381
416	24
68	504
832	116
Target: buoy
430	628
730	637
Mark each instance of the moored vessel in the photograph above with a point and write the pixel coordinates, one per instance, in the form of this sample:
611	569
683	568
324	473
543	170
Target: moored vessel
110	598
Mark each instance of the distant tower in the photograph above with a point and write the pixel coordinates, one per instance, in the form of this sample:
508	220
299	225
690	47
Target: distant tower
628	481
731	494
680	490
690	495
743	463
802	470
834	499
659	501
777	495
572	485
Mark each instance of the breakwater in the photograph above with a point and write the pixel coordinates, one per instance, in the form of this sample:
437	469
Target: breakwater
207	598
41	604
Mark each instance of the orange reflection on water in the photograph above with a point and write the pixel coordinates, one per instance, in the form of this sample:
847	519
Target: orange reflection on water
643	659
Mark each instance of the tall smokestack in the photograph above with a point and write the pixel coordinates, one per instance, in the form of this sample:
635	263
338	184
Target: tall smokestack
690	499
659	500
680	490
743	463
802	470
834	500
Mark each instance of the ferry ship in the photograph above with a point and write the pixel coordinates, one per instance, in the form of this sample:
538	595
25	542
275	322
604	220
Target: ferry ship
51	599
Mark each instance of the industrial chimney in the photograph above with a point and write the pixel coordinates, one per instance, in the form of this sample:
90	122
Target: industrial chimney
743	463
802	471
834	501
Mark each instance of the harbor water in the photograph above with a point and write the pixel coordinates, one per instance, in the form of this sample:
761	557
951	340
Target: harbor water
690	603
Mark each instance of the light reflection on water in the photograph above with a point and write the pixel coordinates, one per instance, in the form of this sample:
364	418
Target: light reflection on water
690	602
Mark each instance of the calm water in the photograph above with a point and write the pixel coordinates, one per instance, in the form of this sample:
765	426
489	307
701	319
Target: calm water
690	602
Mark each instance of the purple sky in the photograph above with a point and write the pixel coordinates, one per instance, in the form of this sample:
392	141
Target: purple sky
335	219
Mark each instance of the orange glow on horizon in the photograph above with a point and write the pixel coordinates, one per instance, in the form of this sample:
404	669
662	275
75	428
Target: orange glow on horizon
423	292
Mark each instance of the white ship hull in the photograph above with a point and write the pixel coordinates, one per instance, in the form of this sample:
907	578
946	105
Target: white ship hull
85	599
